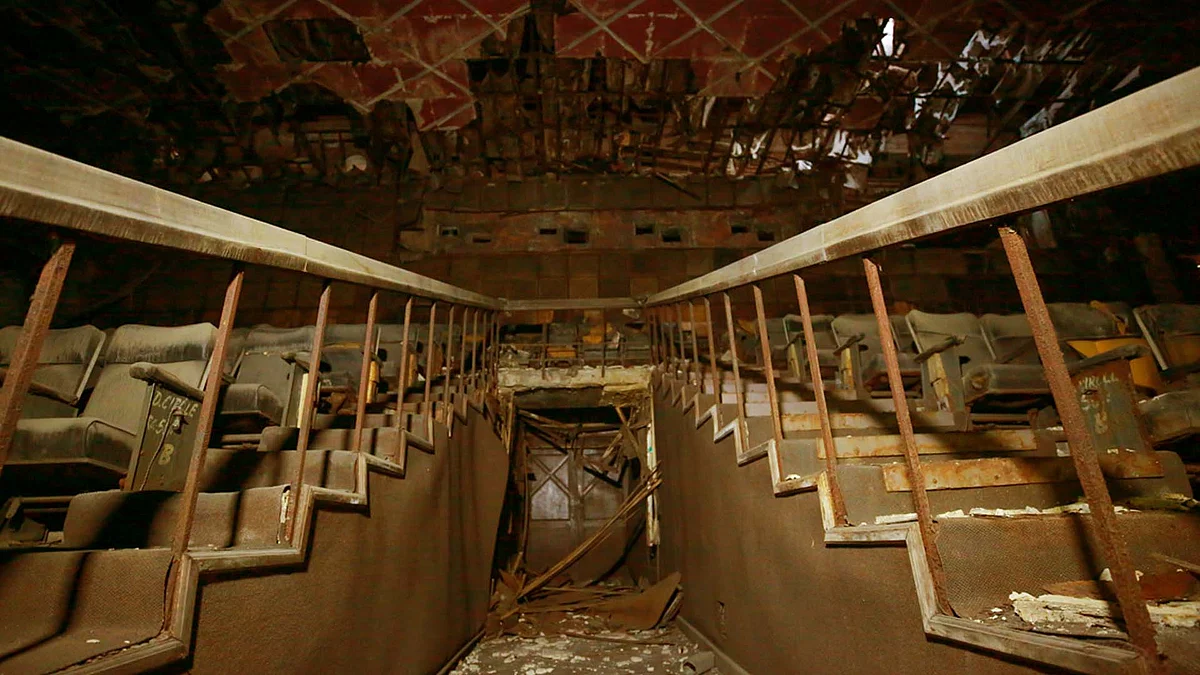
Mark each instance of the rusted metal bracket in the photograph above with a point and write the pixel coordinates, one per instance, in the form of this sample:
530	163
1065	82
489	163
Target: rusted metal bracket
308	403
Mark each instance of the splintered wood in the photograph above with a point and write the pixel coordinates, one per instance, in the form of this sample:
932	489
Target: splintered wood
624	607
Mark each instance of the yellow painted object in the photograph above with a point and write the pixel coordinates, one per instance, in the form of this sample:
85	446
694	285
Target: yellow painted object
1145	370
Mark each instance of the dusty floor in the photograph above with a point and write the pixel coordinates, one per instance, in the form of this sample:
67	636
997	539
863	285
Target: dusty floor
555	653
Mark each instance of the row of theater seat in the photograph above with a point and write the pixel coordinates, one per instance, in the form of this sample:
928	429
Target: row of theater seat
100	400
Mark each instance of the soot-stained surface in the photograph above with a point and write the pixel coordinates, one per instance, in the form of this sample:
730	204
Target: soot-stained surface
558	654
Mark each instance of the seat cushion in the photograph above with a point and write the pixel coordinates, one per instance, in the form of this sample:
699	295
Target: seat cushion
44	441
1003	378
252	399
1172	415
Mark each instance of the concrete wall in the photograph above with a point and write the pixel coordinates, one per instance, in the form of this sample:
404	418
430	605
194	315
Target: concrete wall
759	582
398	589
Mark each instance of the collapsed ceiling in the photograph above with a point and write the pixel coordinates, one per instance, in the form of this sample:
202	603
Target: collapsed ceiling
871	93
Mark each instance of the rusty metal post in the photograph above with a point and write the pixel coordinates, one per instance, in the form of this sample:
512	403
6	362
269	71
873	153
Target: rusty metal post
447	365
916	477
737	377
428	400
714	372
204	426
308	403
29	347
669	336
769	372
364	376
818	385
495	369
545	347
699	370
1083	452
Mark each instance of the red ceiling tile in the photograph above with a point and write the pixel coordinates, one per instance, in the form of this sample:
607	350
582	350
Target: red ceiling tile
765	34
652	26
705	8
253	83
806	42
224	22
253	48
394	42
498	9
448	113
308	9
700	45
832	23
570	27
448	36
602	9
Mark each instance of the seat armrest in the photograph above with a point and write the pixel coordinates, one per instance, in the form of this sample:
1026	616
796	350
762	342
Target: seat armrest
40	389
1122	353
151	373
849	342
303	360
950	342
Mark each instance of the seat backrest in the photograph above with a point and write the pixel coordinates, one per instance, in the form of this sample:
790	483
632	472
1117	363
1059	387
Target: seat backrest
1174	330
183	351
1082	321
822	330
846	326
67	360
930	329
1010	338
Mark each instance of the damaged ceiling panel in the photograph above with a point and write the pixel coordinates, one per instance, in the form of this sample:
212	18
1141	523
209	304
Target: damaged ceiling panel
872	95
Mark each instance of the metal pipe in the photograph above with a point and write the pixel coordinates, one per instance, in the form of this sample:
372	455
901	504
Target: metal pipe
1083	453
769	372
204	426
29	348
462	364
916	477
683	364
737	377
308	403
364	375
428	400
818	385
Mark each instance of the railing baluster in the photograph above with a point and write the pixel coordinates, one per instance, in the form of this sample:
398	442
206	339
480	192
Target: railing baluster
428	402
402	386
462	366
818	385
916	477
698	376
204	426
445	412
713	371
683	364
29	347
308	402
737	377
360	407
1083	452
769	373
474	346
